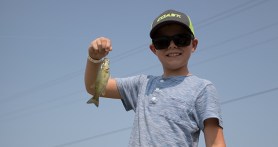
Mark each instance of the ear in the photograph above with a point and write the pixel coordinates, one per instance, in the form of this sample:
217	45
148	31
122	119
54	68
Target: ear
152	48
194	44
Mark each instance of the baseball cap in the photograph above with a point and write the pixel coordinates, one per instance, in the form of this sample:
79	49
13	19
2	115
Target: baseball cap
171	16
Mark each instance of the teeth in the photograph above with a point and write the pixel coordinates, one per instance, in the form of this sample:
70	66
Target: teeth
173	54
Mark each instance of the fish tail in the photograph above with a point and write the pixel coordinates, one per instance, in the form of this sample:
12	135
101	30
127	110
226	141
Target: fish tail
94	100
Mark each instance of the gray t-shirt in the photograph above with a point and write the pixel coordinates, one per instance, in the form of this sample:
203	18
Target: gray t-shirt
168	111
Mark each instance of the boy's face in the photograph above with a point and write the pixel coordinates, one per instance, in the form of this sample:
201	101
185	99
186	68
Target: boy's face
174	57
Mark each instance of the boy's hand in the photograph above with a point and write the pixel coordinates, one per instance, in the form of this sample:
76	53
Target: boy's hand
99	48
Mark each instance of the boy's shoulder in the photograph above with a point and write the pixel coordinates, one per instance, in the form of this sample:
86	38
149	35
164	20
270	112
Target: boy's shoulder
200	80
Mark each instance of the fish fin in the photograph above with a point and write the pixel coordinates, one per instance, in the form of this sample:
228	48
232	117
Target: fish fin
94	100
103	92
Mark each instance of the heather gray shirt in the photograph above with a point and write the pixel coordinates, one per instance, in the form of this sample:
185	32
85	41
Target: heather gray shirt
168	111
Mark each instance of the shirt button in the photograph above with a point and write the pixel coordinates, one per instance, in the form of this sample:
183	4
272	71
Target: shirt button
154	100
161	81
156	89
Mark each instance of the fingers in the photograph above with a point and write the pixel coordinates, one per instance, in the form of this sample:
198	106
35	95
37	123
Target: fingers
102	43
100	47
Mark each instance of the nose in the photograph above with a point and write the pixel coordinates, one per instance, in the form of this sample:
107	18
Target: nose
172	45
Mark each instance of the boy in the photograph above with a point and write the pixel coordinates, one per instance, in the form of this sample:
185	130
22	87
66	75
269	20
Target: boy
171	109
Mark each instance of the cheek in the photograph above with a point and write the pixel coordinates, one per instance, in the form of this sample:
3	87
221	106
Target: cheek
159	56
187	54
158	53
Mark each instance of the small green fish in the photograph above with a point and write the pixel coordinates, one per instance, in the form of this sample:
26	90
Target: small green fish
101	82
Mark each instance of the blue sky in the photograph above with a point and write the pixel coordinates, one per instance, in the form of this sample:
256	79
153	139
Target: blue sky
43	51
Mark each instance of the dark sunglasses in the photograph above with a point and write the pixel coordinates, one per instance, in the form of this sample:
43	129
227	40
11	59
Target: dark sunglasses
180	40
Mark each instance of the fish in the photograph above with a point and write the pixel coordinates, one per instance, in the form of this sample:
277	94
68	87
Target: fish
103	75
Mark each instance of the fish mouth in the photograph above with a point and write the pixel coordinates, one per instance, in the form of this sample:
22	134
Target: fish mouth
173	54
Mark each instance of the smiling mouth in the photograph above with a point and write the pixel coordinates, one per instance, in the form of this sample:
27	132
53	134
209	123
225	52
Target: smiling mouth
173	54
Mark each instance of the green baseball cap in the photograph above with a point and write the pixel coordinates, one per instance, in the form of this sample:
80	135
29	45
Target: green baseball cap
171	16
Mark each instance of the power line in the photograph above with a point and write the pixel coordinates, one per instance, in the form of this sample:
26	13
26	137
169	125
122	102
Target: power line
56	81
228	40
93	137
42	86
249	96
198	63
224	12
194	64
238	50
120	130
225	102
61	79
223	15
260	29
64	78
24	109
225	54
127	128
230	12
223	42
121	56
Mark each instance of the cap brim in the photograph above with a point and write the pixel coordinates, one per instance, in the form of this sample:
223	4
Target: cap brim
152	33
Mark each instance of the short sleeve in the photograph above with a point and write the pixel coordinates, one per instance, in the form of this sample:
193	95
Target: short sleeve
208	106
129	90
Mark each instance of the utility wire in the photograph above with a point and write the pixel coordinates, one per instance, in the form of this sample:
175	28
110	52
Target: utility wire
156	65
230	12
41	86
223	103
260	29
122	56
222	55
218	17
94	137
62	79
249	96
127	128
56	81
238	50
241	5
131	52
27	108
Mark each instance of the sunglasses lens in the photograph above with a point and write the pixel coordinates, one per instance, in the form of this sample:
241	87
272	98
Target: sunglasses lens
181	40
161	43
